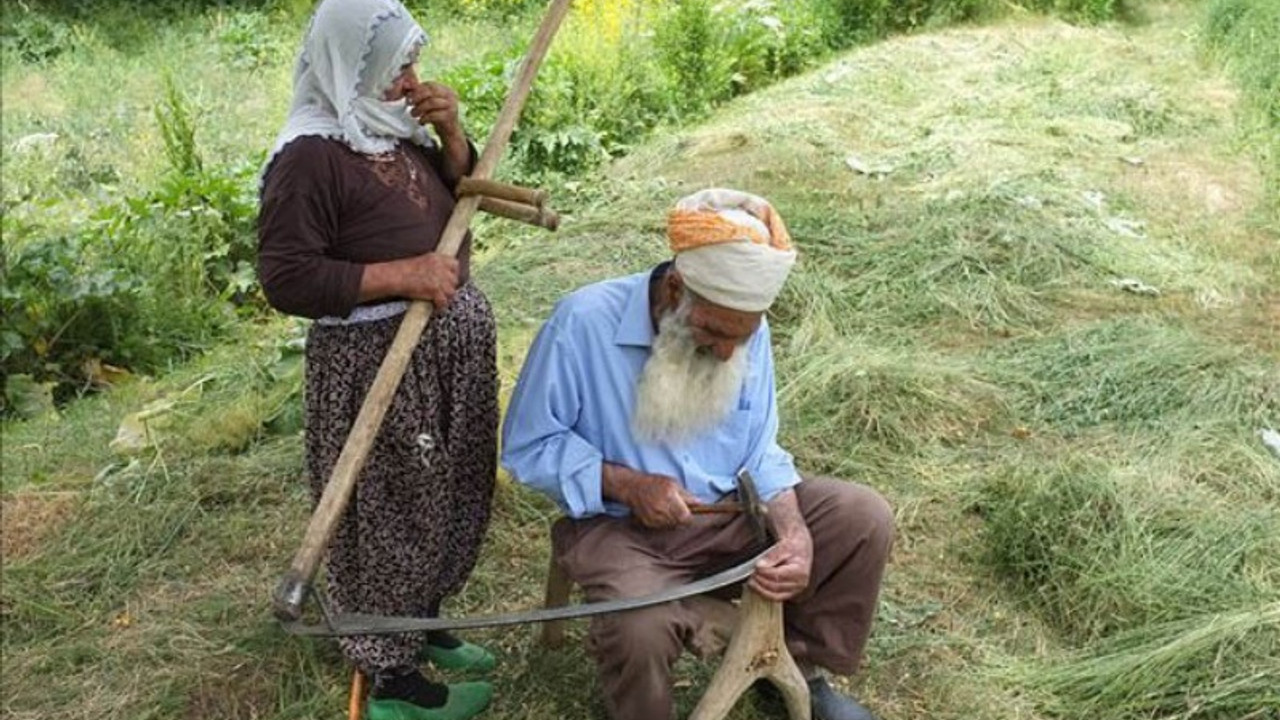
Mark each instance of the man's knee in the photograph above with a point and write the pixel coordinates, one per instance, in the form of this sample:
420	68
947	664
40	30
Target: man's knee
643	636
850	506
869	509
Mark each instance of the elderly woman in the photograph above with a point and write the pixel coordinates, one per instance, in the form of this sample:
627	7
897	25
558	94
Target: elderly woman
355	197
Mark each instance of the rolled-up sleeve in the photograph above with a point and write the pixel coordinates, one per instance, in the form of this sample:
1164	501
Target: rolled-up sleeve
771	467
539	445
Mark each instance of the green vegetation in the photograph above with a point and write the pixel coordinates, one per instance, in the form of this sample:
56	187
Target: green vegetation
1243	33
1216	665
1036	307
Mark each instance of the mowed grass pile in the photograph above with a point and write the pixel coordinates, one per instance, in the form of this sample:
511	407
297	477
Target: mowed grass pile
1088	522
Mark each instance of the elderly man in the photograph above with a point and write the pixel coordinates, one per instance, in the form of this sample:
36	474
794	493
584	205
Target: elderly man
645	395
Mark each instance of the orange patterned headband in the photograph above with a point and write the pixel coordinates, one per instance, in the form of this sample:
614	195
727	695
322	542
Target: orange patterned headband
689	229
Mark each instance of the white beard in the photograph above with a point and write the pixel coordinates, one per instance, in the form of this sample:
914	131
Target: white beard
683	393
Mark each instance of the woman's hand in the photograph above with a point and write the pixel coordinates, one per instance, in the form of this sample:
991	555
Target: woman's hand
436	104
432	277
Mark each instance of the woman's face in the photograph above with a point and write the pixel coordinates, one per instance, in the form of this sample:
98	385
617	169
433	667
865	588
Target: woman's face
404	82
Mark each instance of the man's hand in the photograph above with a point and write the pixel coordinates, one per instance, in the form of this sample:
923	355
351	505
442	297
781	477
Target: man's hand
784	572
657	501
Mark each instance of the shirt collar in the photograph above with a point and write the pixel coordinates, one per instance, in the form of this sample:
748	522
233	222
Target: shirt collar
635	327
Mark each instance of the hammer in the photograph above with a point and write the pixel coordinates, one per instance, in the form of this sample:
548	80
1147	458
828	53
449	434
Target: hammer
748	503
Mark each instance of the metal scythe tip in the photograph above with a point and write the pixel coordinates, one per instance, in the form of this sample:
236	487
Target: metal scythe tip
290	594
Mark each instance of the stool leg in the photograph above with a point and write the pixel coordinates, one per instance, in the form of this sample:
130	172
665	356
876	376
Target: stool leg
558	588
355	707
758	649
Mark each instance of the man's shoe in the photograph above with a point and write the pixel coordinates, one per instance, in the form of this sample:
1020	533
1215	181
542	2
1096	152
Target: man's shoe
465	701
450	653
828	704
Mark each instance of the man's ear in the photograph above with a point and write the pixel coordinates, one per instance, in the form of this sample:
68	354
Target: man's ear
675	285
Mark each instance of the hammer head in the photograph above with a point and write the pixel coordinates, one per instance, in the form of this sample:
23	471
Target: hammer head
752	507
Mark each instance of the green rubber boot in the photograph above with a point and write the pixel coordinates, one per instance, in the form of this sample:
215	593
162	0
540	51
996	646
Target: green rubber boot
466	657
466	700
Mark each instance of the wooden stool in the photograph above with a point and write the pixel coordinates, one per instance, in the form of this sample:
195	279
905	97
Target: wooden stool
559	586
757	650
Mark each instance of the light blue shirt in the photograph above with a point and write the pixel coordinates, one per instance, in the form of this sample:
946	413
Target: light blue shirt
571	410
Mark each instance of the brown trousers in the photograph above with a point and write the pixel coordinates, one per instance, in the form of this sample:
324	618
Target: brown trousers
827	625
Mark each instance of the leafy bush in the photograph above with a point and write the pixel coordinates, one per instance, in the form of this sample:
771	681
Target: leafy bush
474	7
246	40
620	69
1085	10
32	36
149	278
849	22
690	41
57	315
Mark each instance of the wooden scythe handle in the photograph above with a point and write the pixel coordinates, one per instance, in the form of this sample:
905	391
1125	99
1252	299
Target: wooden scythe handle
502	191
295	586
528	214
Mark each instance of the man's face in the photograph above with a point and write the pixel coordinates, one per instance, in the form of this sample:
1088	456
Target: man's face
694	374
719	331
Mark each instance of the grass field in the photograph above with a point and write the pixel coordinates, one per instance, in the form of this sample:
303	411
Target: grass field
1046	325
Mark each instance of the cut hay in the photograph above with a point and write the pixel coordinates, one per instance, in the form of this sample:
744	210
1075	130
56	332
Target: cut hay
1097	547
1208	667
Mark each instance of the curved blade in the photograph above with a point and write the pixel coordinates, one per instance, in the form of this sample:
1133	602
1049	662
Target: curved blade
357	624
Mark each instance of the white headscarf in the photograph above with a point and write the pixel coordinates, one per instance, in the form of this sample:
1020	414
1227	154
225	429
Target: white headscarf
352	51
731	248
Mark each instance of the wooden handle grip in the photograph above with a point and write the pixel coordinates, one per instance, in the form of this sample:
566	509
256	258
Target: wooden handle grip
502	191
520	212
728	507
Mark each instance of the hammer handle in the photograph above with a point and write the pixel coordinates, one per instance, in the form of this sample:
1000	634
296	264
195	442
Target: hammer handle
716	508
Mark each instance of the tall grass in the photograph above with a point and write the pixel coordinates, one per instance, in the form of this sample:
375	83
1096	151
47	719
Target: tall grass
850	394
1246	35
